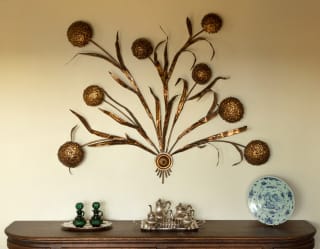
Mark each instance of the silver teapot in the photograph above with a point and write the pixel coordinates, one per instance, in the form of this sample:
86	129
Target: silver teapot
188	218
182	211
161	209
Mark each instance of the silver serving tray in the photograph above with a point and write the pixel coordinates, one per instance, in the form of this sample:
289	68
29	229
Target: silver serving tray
170	226
68	226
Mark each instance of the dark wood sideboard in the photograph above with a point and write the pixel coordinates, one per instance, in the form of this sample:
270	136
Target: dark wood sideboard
214	234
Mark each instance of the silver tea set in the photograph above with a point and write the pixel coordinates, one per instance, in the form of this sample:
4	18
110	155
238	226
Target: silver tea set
161	217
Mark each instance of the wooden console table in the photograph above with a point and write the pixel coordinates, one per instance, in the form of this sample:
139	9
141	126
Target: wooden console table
214	234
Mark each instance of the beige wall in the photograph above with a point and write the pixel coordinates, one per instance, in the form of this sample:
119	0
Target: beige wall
269	48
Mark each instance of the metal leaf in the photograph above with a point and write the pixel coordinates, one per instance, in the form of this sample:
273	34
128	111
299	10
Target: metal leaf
158	119
194	57
122	83
167	117
218	154
121	141
137	127
165	57
207	88
210	115
202	146
106	52
119	55
146	107
240	153
135	90
107	142
73	130
118	119
156	62
204	39
92	131
182	101
101	56
189	26
210	139
131	118
155	56
119	110
237	147
138	144
183	98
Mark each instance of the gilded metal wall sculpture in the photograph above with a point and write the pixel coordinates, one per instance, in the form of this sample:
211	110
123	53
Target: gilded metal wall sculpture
167	108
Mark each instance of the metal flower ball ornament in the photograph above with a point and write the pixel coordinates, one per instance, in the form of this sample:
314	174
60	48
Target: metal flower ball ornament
167	108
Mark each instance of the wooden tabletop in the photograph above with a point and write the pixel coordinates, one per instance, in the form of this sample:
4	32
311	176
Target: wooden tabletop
211	230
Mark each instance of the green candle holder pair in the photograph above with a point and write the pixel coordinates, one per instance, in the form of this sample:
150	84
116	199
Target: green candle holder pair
96	219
